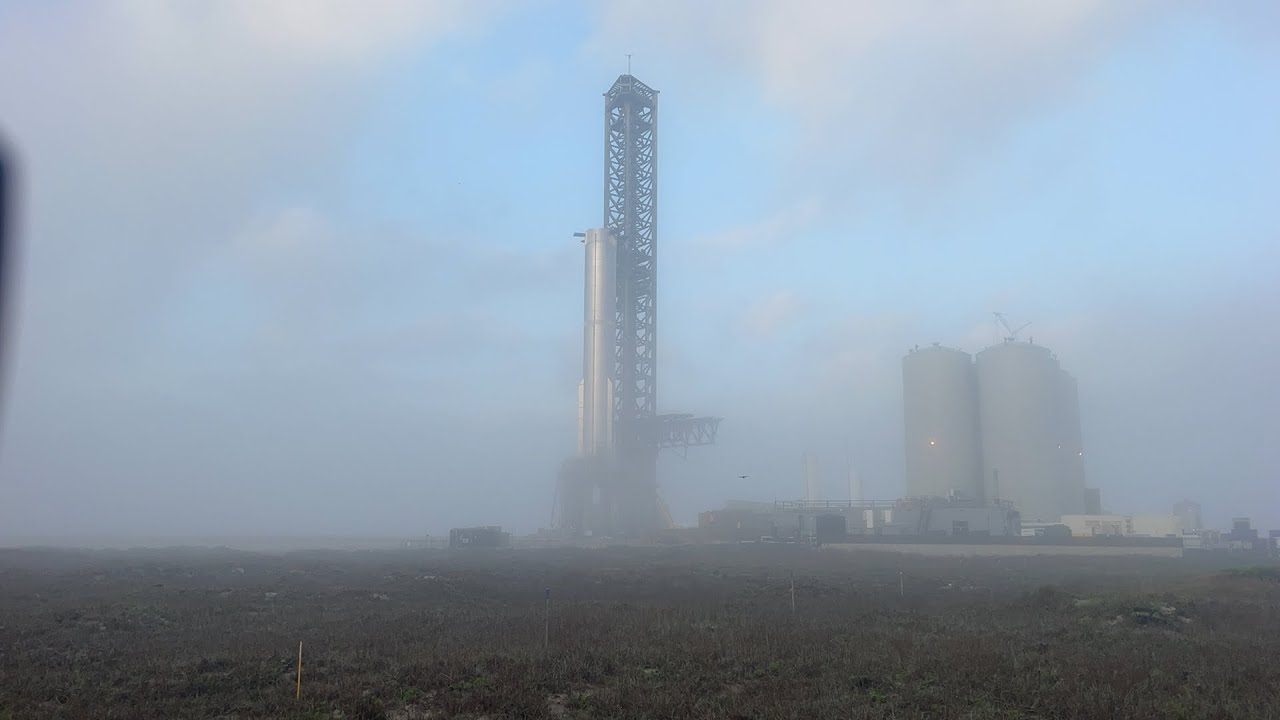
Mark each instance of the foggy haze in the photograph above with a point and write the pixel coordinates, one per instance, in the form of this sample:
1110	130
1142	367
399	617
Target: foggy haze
308	268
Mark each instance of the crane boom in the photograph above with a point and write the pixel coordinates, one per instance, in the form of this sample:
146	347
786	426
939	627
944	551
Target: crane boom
1007	331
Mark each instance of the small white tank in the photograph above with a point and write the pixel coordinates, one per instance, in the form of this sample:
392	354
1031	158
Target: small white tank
1071	454
811	493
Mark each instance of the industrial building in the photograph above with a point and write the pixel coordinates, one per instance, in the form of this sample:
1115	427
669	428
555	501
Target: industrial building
827	521
1154	525
954	517
1001	427
487	536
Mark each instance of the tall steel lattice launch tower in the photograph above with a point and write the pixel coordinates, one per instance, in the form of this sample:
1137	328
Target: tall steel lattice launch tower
611	488
631	214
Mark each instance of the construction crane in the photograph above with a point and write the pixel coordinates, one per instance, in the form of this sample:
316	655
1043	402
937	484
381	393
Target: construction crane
1008	332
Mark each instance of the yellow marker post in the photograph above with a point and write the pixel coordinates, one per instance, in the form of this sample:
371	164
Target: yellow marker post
298	694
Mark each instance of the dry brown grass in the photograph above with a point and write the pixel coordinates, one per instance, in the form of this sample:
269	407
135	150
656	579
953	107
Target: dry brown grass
699	632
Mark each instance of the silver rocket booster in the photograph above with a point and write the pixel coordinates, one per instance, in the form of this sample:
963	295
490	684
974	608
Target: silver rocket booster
595	390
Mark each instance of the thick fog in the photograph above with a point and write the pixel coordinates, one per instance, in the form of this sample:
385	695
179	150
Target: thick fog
298	268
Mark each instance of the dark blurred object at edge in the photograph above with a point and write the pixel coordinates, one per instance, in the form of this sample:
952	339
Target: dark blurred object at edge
8	218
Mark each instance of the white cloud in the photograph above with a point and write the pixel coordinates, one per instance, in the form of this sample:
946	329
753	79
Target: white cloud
182	268
327	30
150	132
789	222
767	317
291	232
912	86
147	85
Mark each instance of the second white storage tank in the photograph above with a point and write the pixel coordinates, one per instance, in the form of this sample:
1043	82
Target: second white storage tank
1020	390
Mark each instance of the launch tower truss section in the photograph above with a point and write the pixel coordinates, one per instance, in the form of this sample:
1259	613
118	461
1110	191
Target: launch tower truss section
630	213
611	488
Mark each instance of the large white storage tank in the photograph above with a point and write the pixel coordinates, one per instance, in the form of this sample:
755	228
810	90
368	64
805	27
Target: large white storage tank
940	413
1020	389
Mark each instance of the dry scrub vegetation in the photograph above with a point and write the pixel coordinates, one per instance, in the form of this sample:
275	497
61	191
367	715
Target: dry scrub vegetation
697	632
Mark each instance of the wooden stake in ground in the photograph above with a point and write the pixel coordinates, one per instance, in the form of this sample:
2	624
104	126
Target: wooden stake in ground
297	695
901	588
546	620
793	594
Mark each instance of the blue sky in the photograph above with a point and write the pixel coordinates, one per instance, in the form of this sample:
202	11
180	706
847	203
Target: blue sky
309	267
